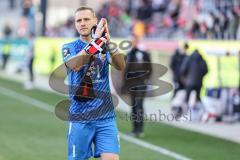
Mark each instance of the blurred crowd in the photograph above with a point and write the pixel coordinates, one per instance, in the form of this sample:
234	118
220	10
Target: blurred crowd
160	19
66	29
25	17
197	19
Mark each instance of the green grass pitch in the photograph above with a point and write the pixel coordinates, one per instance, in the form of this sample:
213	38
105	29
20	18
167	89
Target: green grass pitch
29	133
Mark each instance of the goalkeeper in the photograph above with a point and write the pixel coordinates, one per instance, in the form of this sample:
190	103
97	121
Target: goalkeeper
87	60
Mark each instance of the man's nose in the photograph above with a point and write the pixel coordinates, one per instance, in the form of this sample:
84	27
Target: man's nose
83	24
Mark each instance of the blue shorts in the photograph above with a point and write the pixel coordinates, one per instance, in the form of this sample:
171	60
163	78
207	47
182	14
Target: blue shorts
82	137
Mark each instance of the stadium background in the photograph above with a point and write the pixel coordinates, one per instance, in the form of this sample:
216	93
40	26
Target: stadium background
30	133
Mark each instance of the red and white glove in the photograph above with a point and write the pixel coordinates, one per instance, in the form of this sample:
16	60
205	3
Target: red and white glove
96	46
100	39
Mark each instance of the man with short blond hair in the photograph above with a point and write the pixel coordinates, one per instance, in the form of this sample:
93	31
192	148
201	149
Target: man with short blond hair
91	113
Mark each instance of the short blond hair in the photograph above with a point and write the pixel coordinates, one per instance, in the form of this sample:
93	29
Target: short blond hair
82	8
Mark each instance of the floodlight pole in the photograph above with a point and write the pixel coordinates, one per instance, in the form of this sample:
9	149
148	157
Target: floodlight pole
44	14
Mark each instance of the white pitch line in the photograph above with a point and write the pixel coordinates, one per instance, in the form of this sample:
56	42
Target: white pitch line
49	108
153	147
26	99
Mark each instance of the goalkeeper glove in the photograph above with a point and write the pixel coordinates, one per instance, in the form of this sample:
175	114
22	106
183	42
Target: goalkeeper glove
96	46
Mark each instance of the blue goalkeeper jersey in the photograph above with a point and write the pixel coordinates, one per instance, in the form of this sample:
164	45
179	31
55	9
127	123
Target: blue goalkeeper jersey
99	108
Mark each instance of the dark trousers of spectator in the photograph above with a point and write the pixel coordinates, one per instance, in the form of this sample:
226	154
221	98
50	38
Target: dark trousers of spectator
189	89
137	114
5	58
30	69
177	86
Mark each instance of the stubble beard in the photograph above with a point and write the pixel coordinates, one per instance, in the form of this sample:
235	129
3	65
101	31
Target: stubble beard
85	34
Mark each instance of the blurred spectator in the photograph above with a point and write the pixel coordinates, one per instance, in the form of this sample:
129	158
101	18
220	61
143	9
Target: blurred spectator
6	49
145	10
174	11
175	65
29	61
28	13
139	28
137	60
7	31
234	24
194	68
5	53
